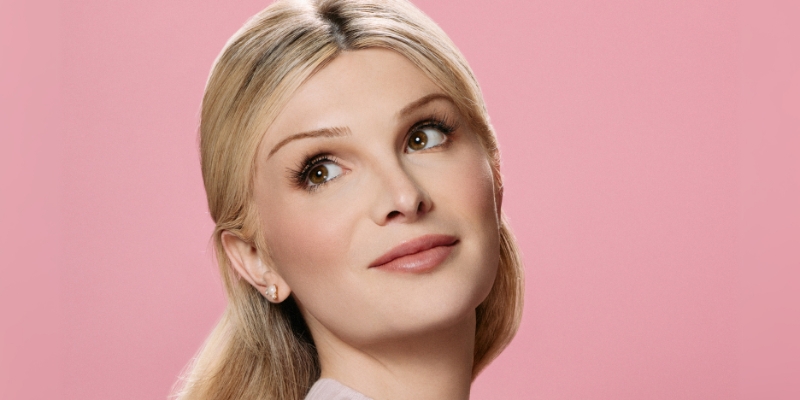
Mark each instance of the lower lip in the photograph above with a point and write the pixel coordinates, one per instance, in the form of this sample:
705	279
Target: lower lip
423	261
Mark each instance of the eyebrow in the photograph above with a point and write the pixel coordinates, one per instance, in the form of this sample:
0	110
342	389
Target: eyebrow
422	102
324	132
344	131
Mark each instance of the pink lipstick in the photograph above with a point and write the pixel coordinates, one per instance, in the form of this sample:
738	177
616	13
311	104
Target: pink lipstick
417	255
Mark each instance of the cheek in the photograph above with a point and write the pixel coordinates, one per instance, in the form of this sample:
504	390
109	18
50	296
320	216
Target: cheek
478	191
466	187
479	210
464	192
307	242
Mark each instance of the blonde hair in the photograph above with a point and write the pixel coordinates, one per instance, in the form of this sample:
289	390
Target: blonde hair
264	350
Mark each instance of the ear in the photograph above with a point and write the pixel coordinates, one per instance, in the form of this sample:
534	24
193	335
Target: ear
248	263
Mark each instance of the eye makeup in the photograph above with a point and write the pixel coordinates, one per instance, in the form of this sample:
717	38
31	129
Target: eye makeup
441	122
314	163
301	174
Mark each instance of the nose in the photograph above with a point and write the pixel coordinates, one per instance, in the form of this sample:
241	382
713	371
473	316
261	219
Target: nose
399	197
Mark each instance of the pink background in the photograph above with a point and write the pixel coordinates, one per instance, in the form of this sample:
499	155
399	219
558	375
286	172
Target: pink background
651	158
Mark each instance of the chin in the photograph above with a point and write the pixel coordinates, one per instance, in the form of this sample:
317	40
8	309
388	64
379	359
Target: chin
448	299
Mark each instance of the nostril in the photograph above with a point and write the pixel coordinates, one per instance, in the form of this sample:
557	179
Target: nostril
393	214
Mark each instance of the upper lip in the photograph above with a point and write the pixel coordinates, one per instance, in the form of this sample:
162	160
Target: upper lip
414	246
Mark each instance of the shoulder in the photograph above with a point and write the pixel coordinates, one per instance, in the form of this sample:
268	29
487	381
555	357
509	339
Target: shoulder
330	389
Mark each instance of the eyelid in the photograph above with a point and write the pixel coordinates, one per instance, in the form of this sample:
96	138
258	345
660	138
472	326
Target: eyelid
441	122
300	175
315	186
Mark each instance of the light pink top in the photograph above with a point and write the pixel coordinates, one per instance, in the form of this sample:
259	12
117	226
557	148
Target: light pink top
329	389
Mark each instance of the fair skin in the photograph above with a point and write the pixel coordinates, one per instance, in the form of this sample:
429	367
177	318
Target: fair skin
343	176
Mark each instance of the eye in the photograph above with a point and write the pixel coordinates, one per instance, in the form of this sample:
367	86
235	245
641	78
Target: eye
425	138
322	172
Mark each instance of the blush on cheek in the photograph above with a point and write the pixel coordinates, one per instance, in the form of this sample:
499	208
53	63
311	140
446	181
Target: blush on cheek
469	193
471	187
305	245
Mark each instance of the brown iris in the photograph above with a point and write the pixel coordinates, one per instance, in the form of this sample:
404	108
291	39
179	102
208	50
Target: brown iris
418	140
318	174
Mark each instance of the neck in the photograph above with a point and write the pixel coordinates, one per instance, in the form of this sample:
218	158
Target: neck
434	365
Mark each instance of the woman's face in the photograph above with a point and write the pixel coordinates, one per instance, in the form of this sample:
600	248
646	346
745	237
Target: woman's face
369	161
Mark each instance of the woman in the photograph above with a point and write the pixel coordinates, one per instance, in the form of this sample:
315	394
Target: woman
354	181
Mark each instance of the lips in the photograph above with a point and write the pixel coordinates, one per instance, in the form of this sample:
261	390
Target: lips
417	255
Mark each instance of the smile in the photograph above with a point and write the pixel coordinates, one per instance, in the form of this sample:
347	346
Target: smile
417	255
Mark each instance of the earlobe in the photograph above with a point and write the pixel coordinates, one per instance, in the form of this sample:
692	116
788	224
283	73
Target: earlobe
248	264
275	289
272	292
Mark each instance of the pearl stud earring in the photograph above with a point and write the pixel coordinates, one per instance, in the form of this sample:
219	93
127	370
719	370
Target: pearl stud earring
272	292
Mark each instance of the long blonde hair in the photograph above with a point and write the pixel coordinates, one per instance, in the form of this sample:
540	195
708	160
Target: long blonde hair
264	350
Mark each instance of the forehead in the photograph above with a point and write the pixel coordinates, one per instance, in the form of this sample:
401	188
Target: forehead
355	87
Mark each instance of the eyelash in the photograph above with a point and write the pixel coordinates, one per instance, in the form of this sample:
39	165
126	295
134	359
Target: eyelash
300	173
442	123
